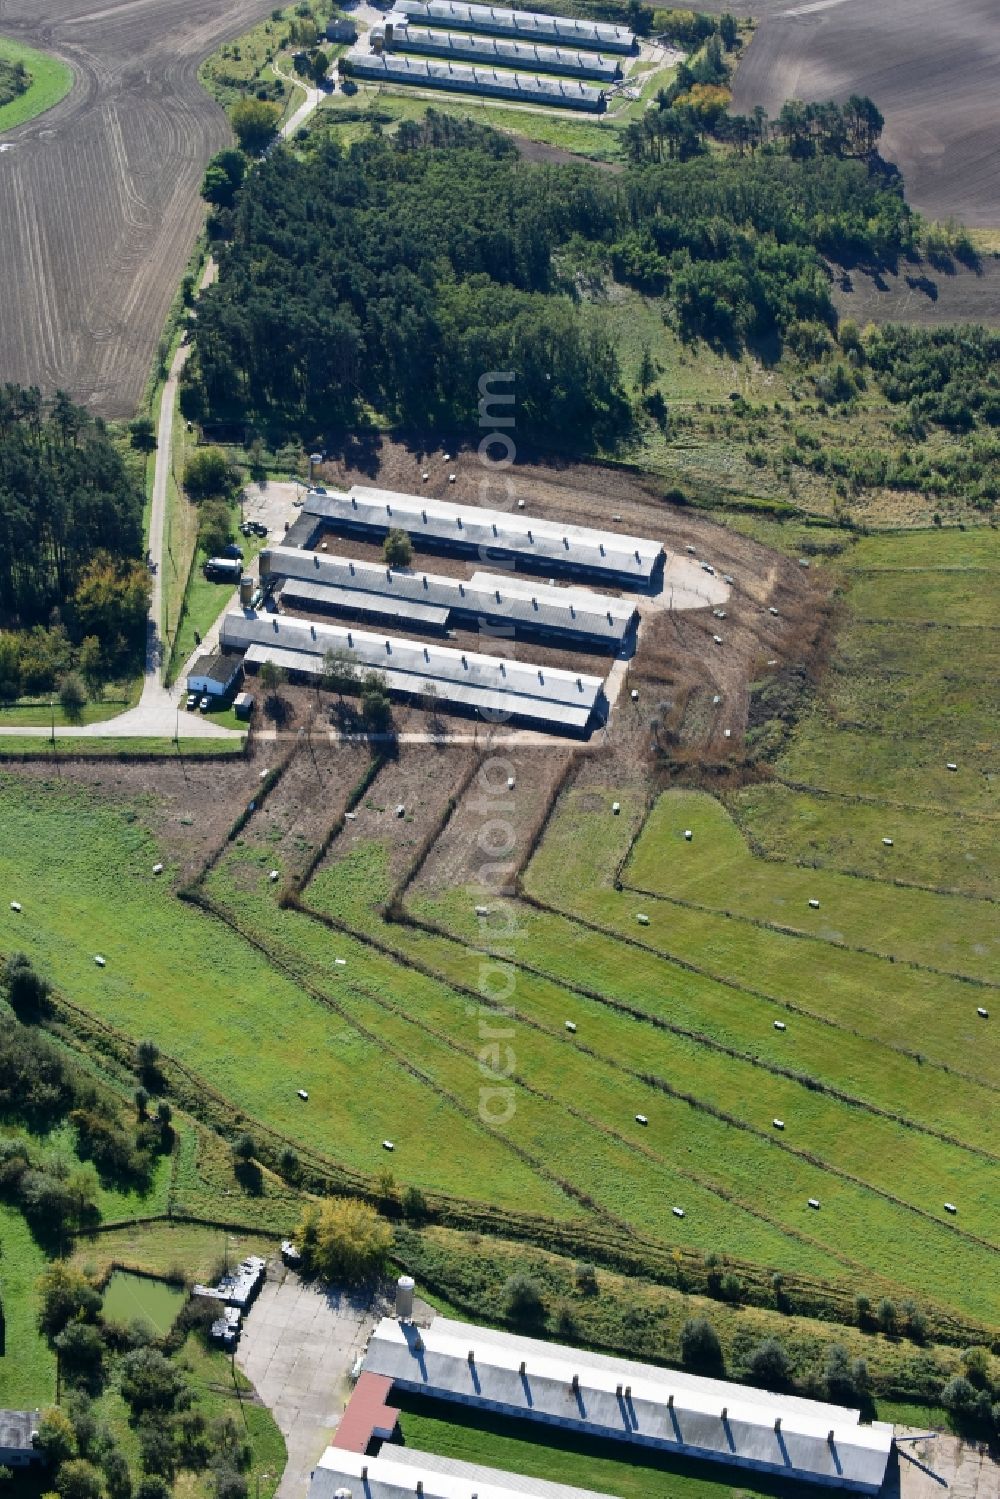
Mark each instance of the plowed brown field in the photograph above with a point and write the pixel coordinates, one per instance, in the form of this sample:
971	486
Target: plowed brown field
99	202
931	68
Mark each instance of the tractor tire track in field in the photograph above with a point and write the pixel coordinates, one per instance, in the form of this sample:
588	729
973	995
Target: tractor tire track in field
930	68
99	196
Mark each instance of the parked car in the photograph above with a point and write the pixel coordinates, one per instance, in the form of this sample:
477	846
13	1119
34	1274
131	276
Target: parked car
247	528
258	528
192	700
233	551
205	704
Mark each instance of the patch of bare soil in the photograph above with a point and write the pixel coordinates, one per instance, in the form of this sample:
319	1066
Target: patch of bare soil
494	826
187	805
921	294
310	795
419	779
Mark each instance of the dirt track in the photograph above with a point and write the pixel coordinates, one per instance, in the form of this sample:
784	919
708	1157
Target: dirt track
99	202
930	68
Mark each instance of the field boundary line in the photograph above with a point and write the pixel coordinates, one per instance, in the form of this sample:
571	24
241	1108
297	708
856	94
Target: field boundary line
574	1235
208	904
784	1004
782	931
461	785
893	882
357	791
706	1184
699	1038
693	1101
860	797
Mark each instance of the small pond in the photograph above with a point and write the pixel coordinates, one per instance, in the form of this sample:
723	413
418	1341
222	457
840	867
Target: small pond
138	1298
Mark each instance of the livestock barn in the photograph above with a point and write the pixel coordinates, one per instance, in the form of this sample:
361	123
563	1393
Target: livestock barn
501	52
495	689
526	25
561	93
632	1404
429	602
505	538
402	1473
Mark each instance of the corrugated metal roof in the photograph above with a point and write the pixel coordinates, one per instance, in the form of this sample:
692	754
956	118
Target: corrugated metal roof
494	706
529	539
302	595
503	51
394	1472
633	1402
503	22
531	605
466	78
392	653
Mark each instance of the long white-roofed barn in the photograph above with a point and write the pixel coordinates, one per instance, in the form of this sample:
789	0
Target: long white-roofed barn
630	1403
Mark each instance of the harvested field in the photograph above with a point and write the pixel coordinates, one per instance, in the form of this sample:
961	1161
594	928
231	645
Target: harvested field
931	69
922	295
99	204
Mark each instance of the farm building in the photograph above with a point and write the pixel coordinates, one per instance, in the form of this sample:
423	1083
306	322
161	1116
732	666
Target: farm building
214	675
639	1404
526	25
497	689
460	78
427	601
401	1473
341	29
490	535
369	1417
17	1430
500	52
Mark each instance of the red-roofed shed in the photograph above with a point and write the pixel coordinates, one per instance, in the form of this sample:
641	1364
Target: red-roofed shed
367	1418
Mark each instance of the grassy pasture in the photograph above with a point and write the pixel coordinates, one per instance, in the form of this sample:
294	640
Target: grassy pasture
626	1179
51	80
839	832
888	1155
547	1453
83	872
27	1365
908	691
73	747
716	870
916	1007
714	1156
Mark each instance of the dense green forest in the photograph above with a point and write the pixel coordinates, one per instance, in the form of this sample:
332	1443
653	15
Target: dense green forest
72	589
392	275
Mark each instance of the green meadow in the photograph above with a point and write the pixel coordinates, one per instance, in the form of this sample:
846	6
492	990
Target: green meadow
51	80
716	871
82	870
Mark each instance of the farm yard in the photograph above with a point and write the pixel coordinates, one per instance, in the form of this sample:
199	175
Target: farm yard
99	205
733	1005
